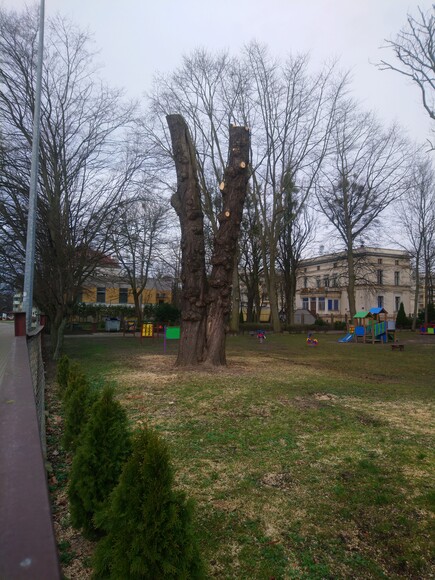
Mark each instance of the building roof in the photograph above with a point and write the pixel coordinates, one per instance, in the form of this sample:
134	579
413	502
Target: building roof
364	314
378	311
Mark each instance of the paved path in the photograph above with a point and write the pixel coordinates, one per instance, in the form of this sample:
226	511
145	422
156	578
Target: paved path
6	338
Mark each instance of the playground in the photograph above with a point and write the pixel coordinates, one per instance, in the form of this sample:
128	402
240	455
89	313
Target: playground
302	461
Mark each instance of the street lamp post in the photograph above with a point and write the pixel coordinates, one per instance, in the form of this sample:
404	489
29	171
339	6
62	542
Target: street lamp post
29	269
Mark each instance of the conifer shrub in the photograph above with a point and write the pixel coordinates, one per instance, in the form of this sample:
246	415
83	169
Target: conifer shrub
103	449
77	401
63	368
402	321
149	526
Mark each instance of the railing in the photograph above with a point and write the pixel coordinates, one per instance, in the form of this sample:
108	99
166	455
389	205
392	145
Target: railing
27	541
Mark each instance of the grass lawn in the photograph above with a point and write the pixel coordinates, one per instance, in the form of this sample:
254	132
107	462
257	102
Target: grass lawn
304	462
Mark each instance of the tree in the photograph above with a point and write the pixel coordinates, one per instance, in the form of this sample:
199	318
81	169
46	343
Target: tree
206	301
149	525
84	163
414	51
298	231
367	171
103	448
401	318
137	242
290	114
416	215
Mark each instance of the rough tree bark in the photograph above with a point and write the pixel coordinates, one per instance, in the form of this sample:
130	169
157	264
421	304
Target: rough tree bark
206	306
187	203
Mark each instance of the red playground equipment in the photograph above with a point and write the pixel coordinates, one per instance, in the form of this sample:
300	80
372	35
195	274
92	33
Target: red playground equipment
311	340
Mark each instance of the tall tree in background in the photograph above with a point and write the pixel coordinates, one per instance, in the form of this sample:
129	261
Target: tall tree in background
416	214
291	113
206	300
84	164
298	231
415	55
367	172
137	243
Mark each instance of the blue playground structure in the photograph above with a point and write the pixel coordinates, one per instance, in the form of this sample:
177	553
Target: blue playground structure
371	326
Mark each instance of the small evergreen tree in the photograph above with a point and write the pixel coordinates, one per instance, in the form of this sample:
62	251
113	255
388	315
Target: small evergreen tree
63	368
96	467
149	526
78	398
402	320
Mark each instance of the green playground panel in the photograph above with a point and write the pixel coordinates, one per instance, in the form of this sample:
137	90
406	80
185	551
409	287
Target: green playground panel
431	330
172	332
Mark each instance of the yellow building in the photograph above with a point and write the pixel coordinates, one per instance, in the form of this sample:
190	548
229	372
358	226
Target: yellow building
110	288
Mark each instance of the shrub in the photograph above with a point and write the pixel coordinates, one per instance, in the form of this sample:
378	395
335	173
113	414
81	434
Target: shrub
103	449
77	401
63	368
402	321
149	526
339	325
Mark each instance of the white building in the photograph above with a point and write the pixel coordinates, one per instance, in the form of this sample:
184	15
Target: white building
383	278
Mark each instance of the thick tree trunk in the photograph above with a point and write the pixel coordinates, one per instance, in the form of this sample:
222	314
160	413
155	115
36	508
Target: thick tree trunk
187	204
233	187
205	309
235	298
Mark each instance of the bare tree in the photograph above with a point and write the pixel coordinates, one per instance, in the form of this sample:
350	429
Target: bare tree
291	113
84	166
138	240
206	302
298	231
416	214
414	49
367	172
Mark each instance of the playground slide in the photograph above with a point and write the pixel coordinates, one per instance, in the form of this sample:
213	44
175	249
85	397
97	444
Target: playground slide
346	338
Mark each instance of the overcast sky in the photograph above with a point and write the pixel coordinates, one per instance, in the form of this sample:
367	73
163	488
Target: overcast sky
137	38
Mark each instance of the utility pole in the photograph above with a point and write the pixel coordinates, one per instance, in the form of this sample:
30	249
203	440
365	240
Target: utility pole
29	270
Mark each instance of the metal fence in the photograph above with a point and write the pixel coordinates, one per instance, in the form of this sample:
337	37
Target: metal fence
27	540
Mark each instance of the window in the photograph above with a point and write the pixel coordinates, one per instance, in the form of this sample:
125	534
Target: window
101	295
335	264
380	301
396	262
318	267
379	260
335	281
397	303
332	305
305	303
123	295
396	278
80	297
380	277
322	303
305	282
326	281
318	281
305	270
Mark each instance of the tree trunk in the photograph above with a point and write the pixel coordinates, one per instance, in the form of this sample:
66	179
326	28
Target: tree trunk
187	203
235	299
205	308
351	281
233	187
416	293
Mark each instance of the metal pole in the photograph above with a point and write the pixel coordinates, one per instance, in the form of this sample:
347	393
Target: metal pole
29	269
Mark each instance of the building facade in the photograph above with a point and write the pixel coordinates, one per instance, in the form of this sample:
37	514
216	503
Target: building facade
383	279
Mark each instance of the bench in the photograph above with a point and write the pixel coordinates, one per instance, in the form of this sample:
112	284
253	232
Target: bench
397	347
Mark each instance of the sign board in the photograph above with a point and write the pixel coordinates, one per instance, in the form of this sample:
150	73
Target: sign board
351	329
147	330
172	332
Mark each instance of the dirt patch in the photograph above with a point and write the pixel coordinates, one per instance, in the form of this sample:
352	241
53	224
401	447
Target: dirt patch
279	480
